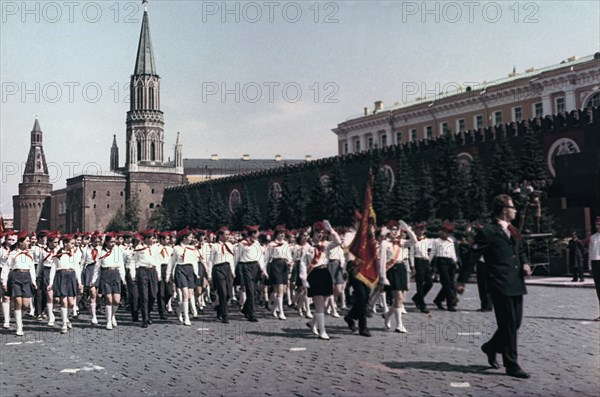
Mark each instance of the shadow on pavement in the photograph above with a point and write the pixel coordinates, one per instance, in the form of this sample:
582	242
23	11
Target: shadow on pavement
442	367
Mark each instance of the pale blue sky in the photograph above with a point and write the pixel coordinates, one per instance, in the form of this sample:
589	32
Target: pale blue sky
370	50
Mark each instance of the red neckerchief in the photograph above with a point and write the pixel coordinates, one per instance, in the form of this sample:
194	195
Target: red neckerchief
60	254
163	251
143	248
224	247
106	255
24	253
50	252
94	254
185	249
278	244
316	257
395	257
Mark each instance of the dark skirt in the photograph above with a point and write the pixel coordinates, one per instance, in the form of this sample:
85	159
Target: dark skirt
19	285
337	273
199	281
45	277
295	274
87	275
184	276
278	272
397	275
110	281
65	284
320	282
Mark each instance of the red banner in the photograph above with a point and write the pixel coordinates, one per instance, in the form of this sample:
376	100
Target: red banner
364	245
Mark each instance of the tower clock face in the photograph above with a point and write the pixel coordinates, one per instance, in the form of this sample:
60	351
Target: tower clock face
561	147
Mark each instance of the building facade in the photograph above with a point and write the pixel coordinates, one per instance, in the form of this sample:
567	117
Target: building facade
553	90
32	206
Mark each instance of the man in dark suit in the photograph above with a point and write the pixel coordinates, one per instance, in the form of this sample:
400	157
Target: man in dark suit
502	248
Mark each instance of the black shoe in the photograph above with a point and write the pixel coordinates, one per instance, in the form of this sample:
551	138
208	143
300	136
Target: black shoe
252	318
163	317
439	305
225	320
135	319
517	373
451	308
424	309
485	309
350	323
369	314
149	320
575	279
145	324
365	332
491	356
581	280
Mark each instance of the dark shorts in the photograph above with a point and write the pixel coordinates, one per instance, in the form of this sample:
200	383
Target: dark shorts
184	276
320	282
397	275
87	275
65	284
19	285
278	272
199	281
110	281
337	273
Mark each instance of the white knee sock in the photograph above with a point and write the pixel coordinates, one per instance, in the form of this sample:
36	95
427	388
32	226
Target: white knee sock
64	312
186	311
6	312
398	317
192	303
320	318
50	308
19	318
93	310
280	304
108	309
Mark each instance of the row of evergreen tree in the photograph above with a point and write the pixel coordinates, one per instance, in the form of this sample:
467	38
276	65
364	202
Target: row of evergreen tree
443	190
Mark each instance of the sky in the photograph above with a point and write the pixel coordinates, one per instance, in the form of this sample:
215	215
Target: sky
252	77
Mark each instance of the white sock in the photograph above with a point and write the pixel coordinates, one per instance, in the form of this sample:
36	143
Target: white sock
50	308
64	312
114	311
6	312
320	318
93	310
192	303
19	318
186	310
384	303
280	304
243	298
109	315
288	294
398	317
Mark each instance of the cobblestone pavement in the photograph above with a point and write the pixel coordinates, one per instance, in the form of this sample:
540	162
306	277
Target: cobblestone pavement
558	345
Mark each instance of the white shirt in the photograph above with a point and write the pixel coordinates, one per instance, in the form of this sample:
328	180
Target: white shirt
183	255
348	238
309	260
222	252
250	252
65	261
90	255
19	260
443	249
594	250
115	259
422	248
145	256
279	250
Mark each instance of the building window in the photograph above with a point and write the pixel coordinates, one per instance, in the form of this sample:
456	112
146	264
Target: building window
139	151
517	114
152	151
345	147
398	137
560	105
94	194
152	191
357	146
383	140
140	96
539	110
151	97
445	129
461	125
428	132
151	205
594	101
478	122
121	194
94	205
413	134
108	193
498	117
370	143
